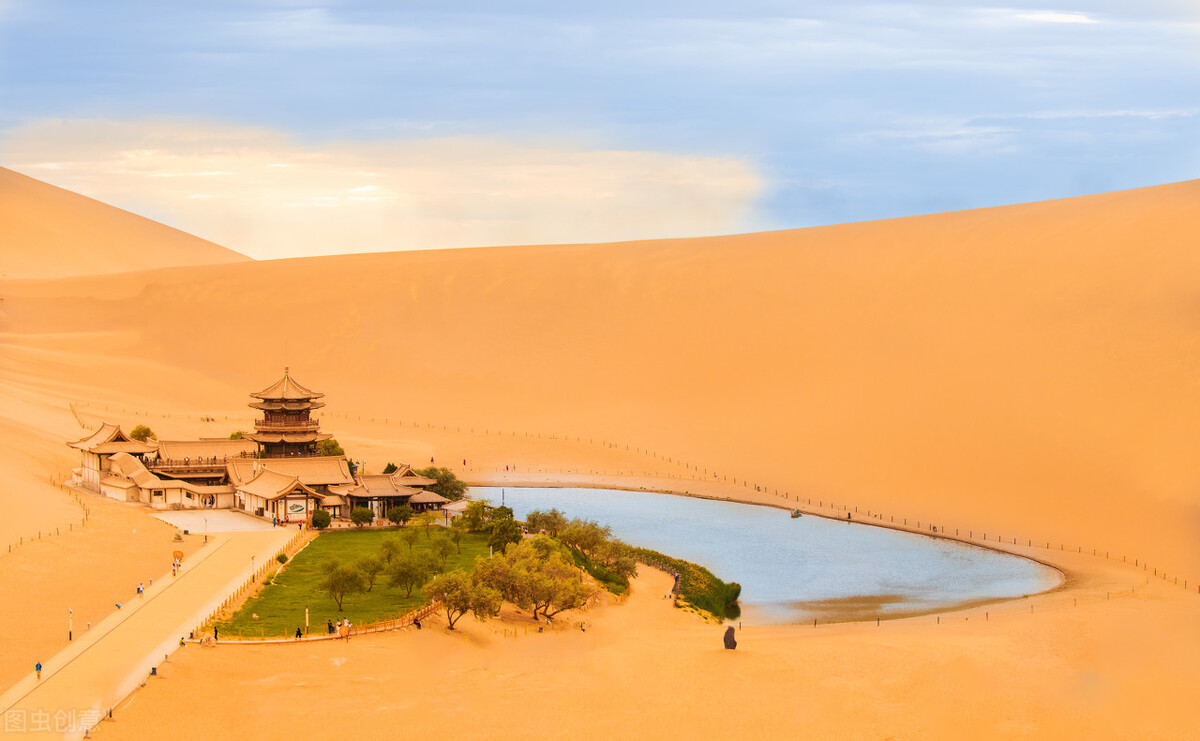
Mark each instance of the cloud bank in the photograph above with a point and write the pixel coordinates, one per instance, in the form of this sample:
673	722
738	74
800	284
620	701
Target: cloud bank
268	195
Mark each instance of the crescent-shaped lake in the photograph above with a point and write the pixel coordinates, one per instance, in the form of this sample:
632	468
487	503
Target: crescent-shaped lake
797	569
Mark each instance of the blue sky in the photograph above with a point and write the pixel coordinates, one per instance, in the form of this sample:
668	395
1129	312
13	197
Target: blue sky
453	124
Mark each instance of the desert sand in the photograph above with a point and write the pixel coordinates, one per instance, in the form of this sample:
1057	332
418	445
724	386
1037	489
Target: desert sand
1026	371
51	232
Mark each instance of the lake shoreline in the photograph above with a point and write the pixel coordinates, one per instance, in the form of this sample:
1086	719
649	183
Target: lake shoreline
1066	577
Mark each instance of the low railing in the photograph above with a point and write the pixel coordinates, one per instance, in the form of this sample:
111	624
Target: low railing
303	424
199	463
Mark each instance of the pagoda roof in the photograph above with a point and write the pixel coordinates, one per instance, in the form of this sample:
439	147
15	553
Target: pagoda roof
111	439
289	405
310	436
286	388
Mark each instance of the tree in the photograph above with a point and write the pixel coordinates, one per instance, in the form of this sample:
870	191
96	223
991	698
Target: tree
409	535
369	567
500	513
457	530
617	559
341	581
584	536
503	532
475	515
459	594
535	575
426	519
330	447
565	589
441	547
239	435
411	571
446	483
321	519
362	516
400	515
389	548
390	468
141	433
552	522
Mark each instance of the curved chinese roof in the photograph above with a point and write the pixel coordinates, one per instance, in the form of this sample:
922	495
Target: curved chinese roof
287	389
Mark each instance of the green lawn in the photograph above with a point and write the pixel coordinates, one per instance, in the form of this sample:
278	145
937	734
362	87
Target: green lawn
280	606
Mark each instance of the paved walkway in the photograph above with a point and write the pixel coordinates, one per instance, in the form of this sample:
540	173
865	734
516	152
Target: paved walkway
104	665
213	520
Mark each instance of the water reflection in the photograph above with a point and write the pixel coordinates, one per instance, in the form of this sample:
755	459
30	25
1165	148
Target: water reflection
797	569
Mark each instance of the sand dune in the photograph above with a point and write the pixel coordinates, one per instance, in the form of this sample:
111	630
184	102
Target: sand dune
1028	371
49	232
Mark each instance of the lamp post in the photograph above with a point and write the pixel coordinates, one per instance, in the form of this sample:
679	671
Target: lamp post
205	529
70	624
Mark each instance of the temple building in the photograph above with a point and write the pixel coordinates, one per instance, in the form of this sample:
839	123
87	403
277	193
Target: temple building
381	492
276	472
287	428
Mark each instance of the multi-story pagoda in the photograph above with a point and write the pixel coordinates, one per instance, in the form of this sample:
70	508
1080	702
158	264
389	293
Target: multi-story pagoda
287	429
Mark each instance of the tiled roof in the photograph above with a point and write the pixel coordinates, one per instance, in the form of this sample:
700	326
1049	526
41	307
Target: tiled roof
287	388
194	449
427	497
114	440
312	471
270	484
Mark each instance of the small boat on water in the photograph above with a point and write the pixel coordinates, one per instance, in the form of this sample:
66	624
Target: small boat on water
795	513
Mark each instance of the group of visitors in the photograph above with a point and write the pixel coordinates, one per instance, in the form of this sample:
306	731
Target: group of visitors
342	628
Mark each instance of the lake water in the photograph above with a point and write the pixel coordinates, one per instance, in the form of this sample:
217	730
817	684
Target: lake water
796	569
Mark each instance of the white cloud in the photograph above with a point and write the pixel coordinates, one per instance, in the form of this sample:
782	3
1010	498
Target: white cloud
1050	16
263	193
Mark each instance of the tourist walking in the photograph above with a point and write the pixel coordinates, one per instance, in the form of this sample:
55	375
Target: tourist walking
214	633
298	633
141	590
38	668
329	627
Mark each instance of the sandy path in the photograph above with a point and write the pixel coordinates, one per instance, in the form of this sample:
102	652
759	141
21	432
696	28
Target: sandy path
93	674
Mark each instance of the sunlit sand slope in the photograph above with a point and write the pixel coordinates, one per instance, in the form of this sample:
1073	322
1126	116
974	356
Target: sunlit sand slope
1033	370
50	232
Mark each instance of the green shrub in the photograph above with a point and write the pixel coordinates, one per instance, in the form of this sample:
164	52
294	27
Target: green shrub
400	515
699	587
330	447
141	433
281	558
321	519
361	516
